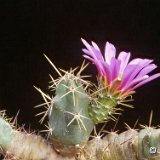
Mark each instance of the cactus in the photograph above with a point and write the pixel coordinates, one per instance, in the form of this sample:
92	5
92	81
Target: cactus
6	132
76	106
68	115
129	145
104	105
18	144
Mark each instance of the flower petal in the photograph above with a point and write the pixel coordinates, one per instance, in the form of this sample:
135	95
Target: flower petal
135	82
97	54
140	61
92	51
95	46
147	80
124	57
131	72
110	52
126	75
114	68
87	52
107	72
146	70
98	64
88	46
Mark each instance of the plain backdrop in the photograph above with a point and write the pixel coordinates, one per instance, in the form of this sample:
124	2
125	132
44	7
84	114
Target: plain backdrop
29	28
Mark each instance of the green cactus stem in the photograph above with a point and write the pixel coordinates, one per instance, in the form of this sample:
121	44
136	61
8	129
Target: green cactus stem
104	105
102	109
24	146
6	133
70	125
68	116
129	145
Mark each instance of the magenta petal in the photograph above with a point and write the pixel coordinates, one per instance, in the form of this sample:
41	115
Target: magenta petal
135	61
135	82
147	80
107	72
89	58
110	52
92	51
114	68
95	46
140	61
97	63
88	46
124	57
87	52
98	54
146	70
138	64
126	74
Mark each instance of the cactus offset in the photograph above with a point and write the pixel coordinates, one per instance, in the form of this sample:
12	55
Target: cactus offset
68	116
104	105
70	125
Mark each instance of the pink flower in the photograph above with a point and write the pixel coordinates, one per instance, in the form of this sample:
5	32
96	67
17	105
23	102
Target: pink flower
118	74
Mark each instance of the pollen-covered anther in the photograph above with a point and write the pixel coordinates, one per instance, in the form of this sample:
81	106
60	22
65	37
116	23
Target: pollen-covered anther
119	77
